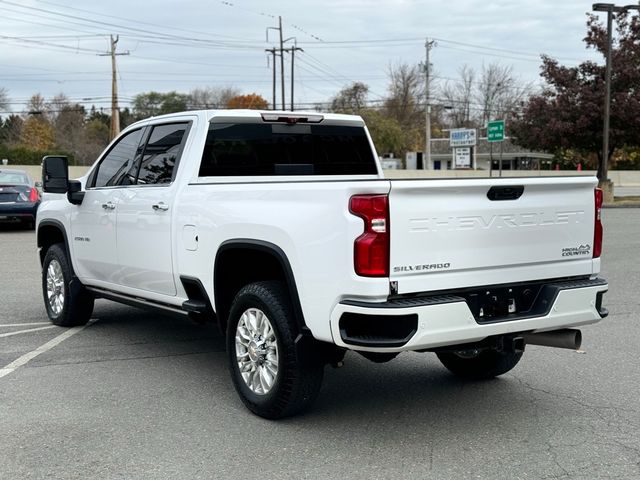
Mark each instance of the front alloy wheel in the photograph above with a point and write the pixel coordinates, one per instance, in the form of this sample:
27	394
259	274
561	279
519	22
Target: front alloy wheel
55	287
257	351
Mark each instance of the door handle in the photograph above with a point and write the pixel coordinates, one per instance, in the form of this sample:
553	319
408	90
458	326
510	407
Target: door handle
160	207
109	206
511	192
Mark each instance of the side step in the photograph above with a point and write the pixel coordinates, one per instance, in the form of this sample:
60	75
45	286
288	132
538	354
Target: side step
195	306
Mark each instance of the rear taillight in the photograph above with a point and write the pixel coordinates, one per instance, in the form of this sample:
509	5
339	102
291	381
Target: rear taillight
34	196
371	249
597	229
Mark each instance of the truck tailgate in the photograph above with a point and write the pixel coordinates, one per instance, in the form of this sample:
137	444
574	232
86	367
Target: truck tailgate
448	234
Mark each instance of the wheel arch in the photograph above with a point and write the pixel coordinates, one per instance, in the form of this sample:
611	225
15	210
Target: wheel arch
241	261
49	233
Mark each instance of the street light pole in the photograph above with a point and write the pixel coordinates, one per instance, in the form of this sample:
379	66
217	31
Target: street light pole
610	9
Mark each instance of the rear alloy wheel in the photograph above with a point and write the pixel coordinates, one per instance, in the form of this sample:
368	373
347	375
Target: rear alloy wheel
257	351
476	364
267	370
67	302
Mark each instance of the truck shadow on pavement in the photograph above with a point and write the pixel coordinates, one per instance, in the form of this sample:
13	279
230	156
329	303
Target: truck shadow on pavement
411	388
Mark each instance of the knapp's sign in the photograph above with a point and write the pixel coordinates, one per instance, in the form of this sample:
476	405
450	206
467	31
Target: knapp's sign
464	137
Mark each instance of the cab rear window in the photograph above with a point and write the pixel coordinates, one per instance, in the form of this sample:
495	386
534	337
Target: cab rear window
257	149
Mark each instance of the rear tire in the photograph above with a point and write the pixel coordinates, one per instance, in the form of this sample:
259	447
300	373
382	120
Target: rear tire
67	302
479	365
270	376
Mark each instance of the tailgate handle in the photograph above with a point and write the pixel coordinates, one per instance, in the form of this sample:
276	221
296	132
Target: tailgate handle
512	192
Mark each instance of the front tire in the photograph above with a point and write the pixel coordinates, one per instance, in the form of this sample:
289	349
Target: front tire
479	364
67	302
270	376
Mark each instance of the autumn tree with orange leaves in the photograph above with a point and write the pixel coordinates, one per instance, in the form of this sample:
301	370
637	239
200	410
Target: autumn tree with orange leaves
252	101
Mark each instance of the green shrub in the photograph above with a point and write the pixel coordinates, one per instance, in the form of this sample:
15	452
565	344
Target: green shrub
26	156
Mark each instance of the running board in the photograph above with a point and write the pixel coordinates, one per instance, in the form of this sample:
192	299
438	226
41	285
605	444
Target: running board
135	301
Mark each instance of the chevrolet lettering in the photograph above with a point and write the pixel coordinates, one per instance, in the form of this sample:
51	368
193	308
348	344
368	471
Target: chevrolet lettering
468	222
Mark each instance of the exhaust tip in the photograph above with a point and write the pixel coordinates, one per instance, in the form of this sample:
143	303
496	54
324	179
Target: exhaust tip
566	338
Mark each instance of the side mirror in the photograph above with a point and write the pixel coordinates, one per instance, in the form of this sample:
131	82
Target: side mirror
75	195
55	174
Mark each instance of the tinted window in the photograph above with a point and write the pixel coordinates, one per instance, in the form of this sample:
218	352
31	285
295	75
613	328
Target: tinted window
278	149
161	153
118	167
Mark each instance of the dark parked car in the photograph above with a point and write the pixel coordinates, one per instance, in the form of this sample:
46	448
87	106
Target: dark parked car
19	199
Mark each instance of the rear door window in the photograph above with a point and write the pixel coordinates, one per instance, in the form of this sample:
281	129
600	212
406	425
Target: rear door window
262	149
161	153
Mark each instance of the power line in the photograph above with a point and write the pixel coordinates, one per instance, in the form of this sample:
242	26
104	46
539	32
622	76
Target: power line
140	22
65	26
273	16
47	44
117	26
338	79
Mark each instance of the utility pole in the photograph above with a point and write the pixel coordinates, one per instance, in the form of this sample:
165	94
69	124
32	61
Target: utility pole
427	109
281	61
115	111
293	52
273	56
281	50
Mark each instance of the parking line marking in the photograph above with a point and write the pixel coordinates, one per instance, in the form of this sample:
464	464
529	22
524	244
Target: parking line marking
11	334
23	324
27	357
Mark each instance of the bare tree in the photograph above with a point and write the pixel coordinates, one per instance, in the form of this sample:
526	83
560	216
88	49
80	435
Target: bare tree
458	97
211	97
406	90
475	99
351	99
499	92
37	105
57	105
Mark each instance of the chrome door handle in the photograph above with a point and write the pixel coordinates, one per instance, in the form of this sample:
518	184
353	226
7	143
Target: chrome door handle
160	206
109	206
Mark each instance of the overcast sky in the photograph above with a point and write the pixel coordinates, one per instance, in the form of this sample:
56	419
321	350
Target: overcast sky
52	46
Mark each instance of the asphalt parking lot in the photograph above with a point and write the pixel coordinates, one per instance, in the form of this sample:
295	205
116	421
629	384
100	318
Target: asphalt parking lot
138	395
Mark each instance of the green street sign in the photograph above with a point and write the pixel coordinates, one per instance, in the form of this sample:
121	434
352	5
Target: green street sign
495	131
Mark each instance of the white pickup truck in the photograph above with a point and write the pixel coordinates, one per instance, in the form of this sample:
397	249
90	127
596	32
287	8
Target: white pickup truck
281	228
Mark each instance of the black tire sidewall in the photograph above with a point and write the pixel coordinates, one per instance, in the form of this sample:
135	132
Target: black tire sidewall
487	364
78	302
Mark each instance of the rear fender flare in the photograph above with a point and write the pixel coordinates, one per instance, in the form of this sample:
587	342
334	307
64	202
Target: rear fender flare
283	261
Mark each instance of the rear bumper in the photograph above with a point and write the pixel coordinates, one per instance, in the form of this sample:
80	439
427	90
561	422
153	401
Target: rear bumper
437	321
18	212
